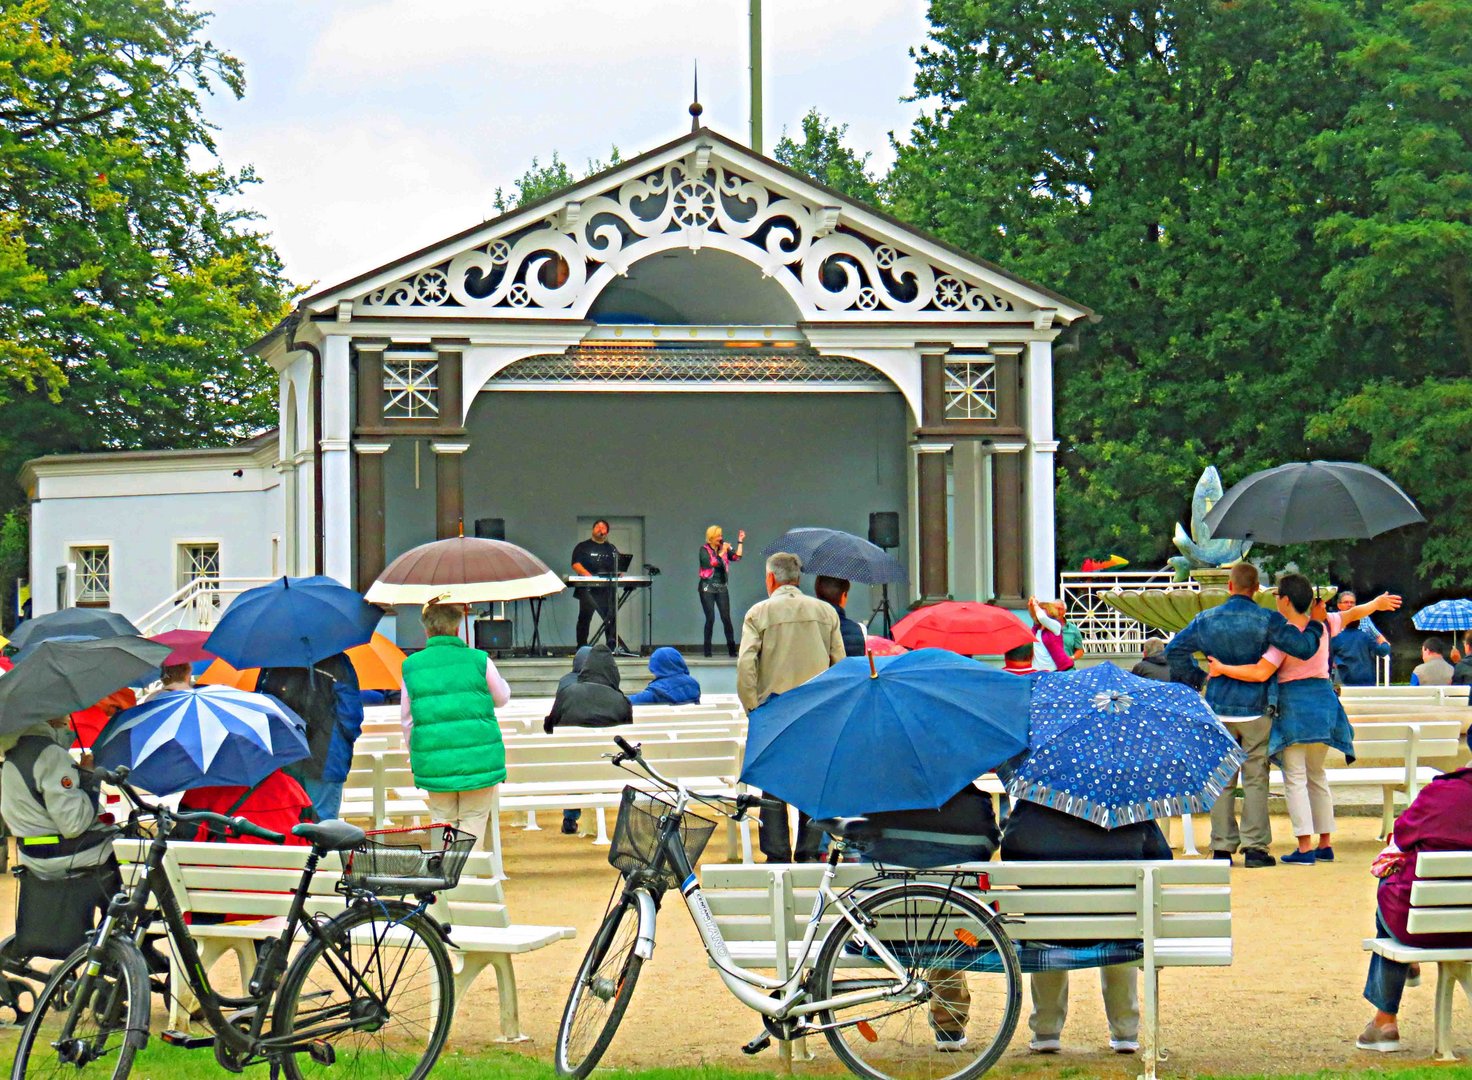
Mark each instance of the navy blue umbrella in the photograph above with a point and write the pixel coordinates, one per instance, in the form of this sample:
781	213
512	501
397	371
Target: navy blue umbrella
1113	748
839	554
211	735
74	624
294	622
886	733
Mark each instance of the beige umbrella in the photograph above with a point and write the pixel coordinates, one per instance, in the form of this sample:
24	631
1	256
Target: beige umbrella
464	570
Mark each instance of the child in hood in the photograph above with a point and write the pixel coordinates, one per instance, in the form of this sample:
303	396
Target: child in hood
672	684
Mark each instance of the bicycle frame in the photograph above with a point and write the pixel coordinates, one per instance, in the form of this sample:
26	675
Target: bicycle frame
748	987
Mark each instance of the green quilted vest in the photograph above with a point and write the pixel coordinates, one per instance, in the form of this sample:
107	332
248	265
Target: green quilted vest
455	743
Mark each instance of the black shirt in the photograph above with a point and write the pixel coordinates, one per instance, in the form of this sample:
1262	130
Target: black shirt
596	558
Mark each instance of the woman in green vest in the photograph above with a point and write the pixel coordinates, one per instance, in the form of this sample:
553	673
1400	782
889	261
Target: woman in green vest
448	712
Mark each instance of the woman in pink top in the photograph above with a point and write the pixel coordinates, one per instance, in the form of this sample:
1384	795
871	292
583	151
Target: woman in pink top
1309	720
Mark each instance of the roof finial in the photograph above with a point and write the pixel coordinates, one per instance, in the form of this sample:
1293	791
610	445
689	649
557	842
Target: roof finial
695	107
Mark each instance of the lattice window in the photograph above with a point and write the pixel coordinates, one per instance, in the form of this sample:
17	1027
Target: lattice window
971	390
412	386
94	575
198	561
624	364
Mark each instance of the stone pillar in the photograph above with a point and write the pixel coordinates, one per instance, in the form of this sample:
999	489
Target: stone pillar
450	379
934	548
1009	574
1042	549
372	550
449	502
369	381
337	495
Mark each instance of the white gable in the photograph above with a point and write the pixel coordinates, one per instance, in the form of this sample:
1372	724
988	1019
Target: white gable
838	260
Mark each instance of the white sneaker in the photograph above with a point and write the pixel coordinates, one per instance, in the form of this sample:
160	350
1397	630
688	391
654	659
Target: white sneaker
1124	1046
1040	1045
947	1042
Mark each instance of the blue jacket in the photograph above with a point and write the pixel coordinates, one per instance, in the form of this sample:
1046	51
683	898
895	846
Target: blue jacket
853	633
1353	651
1237	632
672	685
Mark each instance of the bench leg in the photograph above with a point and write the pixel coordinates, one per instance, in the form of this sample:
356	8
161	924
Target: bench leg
1188	836
497	867
1448	977
601	840
506	992
745	827
732	828
531	822
1150	1021
1387	813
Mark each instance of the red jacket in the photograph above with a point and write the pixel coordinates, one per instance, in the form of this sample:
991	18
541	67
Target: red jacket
1440	819
276	804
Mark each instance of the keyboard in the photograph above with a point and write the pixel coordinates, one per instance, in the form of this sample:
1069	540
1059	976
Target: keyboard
629	581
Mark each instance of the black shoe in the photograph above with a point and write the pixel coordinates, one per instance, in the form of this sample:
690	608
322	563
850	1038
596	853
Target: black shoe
569	828
1226	856
731	650
707	652
1254	857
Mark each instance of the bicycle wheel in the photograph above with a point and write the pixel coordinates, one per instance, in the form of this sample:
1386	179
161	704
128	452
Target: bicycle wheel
385	970
110	1022
964	970
601	992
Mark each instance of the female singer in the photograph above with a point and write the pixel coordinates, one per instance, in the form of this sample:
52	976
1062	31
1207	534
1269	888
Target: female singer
716	557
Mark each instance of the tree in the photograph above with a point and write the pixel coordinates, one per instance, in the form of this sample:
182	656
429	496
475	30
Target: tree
130	281
540	180
823	156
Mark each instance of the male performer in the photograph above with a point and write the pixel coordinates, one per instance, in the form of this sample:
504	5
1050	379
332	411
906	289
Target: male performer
596	558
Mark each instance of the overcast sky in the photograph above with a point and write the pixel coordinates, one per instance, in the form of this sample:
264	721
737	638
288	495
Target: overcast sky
378	126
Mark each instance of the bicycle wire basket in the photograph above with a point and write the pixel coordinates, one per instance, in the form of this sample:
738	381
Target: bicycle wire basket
636	835
414	859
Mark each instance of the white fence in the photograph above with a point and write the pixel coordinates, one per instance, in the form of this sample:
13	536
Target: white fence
197	605
1108	631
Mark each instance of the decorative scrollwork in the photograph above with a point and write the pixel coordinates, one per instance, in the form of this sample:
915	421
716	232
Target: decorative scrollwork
432	287
695	204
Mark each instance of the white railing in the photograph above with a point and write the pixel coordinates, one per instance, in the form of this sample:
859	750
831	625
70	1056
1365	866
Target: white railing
1107	630
195	606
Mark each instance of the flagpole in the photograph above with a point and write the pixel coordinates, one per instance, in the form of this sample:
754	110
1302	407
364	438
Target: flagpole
755	72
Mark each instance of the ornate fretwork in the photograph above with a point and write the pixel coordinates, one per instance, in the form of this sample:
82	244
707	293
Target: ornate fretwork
546	268
94	574
413	393
637	365
971	390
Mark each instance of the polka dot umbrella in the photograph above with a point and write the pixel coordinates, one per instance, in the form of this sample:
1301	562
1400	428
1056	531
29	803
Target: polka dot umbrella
1114	749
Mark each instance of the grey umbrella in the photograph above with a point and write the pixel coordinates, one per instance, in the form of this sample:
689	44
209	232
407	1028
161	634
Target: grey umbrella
1312	500
61	677
71	622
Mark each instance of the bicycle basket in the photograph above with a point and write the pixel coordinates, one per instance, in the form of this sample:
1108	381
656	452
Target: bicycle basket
636	835
416	859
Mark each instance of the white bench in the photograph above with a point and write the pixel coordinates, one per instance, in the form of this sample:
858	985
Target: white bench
1180	912
1407	746
257	880
1441	903
1448	695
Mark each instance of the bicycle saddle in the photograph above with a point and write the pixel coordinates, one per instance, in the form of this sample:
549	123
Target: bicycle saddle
849	828
331	835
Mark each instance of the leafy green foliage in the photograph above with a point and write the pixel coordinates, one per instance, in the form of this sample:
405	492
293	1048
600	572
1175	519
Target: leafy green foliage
823	156
540	180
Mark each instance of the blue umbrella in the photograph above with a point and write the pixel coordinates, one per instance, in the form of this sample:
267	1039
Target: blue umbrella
839	554
1445	616
1113	748
886	733
294	622
192	738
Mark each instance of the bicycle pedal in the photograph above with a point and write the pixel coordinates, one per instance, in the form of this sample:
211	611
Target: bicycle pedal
321	1051
758	1044
186	1041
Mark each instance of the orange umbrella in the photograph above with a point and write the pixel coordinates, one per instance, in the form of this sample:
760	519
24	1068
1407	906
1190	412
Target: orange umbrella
378	664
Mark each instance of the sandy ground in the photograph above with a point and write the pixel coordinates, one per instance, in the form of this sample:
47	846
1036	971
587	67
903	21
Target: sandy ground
1290	1002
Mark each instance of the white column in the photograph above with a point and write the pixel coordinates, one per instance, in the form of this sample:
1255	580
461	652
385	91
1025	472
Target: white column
286	468
1041	446
337	476
306	515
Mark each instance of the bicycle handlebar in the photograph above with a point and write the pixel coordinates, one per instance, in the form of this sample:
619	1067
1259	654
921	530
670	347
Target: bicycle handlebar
634	752
231	826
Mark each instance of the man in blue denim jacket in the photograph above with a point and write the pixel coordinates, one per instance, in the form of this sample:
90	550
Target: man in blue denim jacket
1240	628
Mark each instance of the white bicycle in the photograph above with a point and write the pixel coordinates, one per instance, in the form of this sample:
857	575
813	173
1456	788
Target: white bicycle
914	980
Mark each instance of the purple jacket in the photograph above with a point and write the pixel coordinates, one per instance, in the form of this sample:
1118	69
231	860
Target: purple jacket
1440	819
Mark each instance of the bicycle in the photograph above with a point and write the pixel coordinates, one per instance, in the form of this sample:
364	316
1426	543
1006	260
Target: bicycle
908	969
371	987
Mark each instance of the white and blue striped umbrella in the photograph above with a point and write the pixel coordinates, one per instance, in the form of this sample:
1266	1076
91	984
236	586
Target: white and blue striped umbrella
194	738
1445	615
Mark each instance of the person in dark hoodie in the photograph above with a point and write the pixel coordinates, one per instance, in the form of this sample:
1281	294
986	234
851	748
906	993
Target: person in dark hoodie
672	683
588	696
1153	664
834	590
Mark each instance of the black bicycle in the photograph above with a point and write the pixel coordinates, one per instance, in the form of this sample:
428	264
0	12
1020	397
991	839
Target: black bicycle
370	990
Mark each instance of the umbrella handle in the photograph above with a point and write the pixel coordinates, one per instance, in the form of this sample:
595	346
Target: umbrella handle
873	671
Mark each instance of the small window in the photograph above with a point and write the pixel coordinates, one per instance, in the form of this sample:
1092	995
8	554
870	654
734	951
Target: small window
971	390
198	561
412	388
94	576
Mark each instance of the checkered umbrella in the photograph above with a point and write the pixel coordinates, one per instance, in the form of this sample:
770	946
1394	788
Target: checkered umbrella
1445	616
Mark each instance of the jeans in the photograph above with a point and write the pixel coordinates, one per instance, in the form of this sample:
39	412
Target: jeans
572	816
599	600
1386	979
709	602
774	837
326	796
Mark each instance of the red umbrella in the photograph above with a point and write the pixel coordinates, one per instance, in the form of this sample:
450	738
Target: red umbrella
188	646
962	626
883	646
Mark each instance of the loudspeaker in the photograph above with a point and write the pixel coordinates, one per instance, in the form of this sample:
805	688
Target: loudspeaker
493	635
490	528
884	529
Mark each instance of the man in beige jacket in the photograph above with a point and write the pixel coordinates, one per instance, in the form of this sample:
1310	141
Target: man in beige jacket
786	639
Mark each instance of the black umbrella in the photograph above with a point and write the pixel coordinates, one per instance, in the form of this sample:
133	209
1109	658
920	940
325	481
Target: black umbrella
71	622
61	677
1313	500
839	554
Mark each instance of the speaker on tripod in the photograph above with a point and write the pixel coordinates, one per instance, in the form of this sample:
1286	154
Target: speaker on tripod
884	532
